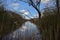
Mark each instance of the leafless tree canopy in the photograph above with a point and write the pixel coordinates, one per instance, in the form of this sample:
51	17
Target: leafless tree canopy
35	4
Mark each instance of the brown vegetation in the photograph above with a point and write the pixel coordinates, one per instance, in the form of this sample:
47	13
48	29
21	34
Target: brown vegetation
9	21
49	25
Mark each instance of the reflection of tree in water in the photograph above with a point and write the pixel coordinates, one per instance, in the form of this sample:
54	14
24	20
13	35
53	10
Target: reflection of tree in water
28	31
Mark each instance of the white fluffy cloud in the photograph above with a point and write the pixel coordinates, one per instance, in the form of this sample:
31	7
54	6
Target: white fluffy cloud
45	1
24	12
15	5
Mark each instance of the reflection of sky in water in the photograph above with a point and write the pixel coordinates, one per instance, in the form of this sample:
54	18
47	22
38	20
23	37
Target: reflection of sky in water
28	30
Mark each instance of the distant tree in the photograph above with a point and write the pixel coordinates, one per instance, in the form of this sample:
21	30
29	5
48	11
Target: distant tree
49	11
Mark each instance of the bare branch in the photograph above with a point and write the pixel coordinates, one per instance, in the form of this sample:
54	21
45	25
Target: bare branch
30	2
39	2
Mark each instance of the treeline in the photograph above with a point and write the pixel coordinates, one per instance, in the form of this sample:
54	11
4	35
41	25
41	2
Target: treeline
9	21
49	25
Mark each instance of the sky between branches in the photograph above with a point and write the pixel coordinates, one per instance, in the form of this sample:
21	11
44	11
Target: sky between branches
19	6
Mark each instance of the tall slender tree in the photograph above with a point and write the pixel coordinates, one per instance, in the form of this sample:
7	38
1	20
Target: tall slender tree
57	5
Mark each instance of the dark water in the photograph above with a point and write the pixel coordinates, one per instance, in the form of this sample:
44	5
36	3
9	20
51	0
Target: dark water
28	31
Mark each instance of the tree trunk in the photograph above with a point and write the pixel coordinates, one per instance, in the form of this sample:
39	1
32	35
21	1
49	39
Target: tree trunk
57	6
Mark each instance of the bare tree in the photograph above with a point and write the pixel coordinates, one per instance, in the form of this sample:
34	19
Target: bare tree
35	4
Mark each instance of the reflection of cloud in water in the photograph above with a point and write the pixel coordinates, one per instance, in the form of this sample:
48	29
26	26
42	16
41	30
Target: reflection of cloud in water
24	28
28	30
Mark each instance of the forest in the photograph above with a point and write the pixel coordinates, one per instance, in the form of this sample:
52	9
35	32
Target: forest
48	24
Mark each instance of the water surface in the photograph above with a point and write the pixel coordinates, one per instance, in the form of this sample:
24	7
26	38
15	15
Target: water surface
28	31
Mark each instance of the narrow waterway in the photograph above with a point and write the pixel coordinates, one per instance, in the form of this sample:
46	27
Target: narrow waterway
28	31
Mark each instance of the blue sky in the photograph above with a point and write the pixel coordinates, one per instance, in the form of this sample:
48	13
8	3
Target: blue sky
16	5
